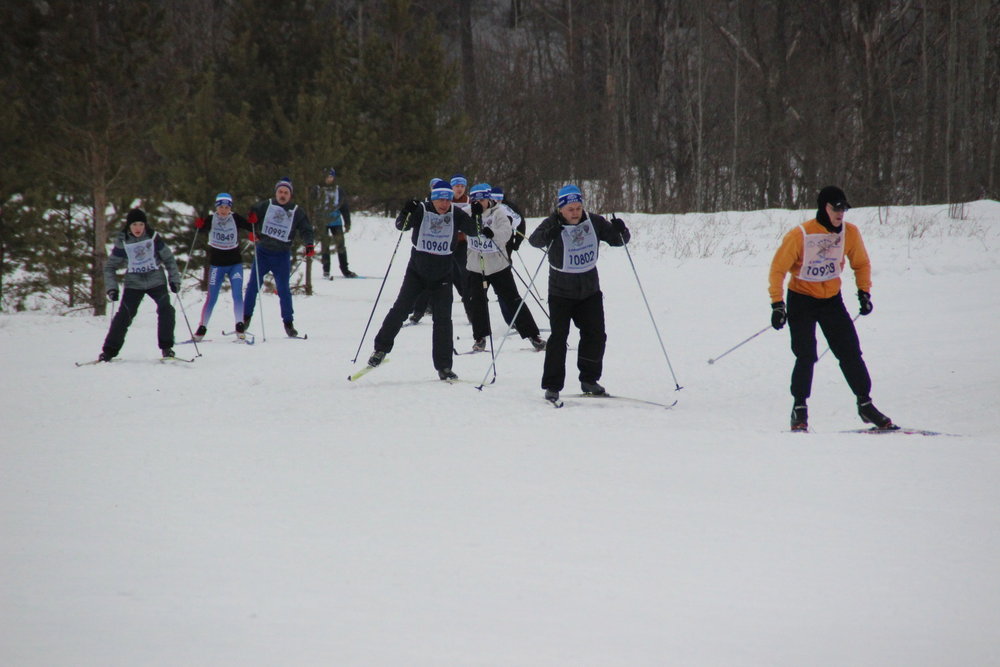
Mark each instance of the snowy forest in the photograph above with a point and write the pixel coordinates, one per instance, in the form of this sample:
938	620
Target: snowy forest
652	106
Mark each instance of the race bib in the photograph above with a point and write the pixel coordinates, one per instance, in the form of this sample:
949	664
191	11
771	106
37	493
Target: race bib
822	256
482	245
223	233
436	233
580	244
141	256
278	222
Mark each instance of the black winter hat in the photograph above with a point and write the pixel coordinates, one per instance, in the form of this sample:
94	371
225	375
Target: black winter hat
135	215
831	194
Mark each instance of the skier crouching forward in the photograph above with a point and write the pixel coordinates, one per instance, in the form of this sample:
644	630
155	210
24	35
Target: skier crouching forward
435	225
143	254
573	236
814	253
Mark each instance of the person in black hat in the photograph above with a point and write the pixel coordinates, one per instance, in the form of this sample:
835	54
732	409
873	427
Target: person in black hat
143	255
814	253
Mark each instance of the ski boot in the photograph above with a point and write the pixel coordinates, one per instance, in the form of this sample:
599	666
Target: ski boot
241	330
290	330
800	418
551	395
447	374
168	353
538	343
592	388
870	415
479	345
199	333
349	274
376	358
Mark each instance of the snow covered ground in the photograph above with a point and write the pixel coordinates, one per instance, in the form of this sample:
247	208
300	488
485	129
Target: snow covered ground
255	508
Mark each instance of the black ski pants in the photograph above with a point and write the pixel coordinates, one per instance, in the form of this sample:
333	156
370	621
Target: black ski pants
506	289
588	316
333	240
804	313
439	290
126	313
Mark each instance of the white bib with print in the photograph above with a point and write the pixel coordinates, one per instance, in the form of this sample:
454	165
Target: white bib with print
822	256
223	233
436	233
580	247
141	256
278	222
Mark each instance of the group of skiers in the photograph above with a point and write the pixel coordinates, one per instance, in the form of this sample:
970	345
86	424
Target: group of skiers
464	237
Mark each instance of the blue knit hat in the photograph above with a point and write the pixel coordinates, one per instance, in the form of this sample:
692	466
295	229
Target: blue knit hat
569	194
223	198
480	191
497	193
441	189
458	179
284	182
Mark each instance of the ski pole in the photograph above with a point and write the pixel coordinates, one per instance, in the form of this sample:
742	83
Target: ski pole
406	223
517	312
677	386
186	321
260	292
530	291
855	319
740	344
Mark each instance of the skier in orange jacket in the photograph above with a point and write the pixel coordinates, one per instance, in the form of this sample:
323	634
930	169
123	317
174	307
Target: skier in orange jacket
815	253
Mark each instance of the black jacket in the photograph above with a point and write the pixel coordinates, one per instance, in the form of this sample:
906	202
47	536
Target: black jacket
425	263
573	285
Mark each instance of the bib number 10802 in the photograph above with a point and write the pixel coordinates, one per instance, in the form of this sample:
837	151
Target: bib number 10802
581	259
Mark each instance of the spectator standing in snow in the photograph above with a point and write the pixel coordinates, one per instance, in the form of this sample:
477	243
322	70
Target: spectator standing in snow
334	210
572	237
279	221
814	253
434	224
489	263
224	259
143	254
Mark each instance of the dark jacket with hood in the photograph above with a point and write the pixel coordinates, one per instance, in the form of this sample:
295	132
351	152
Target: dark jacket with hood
142	281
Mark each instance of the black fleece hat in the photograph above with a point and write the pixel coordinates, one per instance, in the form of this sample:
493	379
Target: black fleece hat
831	194
135	215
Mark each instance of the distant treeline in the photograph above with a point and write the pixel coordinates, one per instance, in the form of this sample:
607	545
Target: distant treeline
693	105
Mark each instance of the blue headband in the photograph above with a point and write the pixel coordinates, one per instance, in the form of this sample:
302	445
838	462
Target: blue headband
458	179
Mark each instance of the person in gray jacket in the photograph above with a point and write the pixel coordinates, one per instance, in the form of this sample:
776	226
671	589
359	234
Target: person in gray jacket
488	263
143	254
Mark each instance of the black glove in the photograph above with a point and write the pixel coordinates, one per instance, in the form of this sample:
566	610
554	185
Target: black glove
175	287
113	294
411	207
778	314
477	208
619	226
865	299
487	232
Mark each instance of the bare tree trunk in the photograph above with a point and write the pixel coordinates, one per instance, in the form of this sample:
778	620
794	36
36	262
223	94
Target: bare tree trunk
97	296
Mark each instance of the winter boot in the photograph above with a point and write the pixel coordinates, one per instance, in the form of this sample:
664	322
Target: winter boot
376	358
870	415
800	417
200	333
551	395
168	353
592	388
479	345
290	330
241	331
538	343
447	374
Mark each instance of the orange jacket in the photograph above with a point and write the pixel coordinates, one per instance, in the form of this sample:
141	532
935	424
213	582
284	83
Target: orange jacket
788	259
